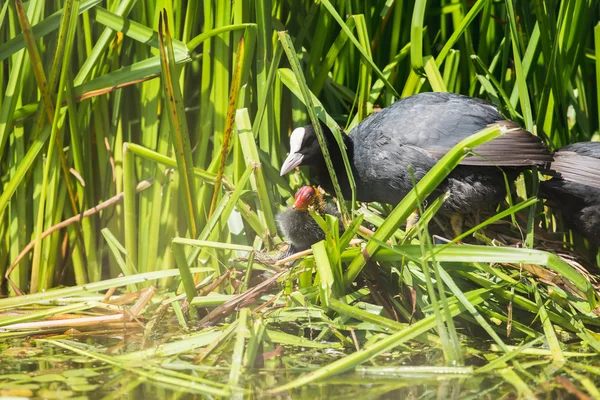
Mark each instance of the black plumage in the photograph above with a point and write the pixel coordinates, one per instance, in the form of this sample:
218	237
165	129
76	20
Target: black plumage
298	226
575	190
417	131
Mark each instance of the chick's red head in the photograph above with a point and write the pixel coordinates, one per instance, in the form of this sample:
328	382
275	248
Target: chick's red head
304	197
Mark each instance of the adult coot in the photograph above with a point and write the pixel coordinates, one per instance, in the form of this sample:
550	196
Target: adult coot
575	191
417	131
298	226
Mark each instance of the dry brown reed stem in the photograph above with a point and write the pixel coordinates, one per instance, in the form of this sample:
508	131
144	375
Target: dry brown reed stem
143	185
243	298
125	315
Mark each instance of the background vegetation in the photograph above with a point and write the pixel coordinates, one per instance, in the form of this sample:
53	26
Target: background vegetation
94	101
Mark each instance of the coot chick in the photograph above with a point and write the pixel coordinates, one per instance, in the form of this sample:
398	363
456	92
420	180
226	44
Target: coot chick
575	191
298	226
417	131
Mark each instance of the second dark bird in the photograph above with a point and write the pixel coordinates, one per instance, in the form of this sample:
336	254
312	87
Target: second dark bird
575	190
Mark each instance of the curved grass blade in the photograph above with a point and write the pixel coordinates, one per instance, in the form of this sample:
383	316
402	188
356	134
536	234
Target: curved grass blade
346	363
293	81
44	27
364	80
184	271
416	35
331	57
433	75
25	165
479	253
179	131
127	266
225	147
242	333
134	30
155	374
424	187
520	73
505	100
123	8
355	42
459	31
558	358
257	180
196	41
500	362
19	301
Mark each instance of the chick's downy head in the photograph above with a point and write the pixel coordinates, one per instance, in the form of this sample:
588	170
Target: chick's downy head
306	197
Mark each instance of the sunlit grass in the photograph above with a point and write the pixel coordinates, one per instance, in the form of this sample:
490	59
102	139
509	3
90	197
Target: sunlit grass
196	101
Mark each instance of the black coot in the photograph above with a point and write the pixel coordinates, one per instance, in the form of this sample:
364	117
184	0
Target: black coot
575	192
418	131
298	226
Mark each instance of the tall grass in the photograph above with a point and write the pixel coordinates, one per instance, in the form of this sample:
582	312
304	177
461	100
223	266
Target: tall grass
533	60
198	99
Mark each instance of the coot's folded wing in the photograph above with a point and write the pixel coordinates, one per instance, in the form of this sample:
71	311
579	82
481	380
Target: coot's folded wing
515	148
575	167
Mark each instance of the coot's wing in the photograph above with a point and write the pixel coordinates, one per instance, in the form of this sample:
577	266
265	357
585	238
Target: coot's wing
574	167
436	122
515	148
429	120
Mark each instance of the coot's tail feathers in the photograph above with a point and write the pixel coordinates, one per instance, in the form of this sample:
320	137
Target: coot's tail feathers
515	148
577	168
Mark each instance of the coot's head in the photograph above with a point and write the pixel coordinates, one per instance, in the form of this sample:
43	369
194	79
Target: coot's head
304	148
305	197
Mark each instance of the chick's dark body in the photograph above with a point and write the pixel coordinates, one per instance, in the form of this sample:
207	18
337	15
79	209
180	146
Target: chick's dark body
300	228
416	132
575	192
